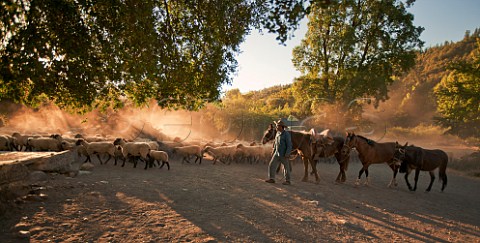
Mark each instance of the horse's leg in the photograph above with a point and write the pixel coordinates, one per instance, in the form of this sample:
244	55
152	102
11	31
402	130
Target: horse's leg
357	182
315	161
393	182
342	164
443	177
417	173
432	178
338	180
305	167
406	180
341	174
314	169
366	183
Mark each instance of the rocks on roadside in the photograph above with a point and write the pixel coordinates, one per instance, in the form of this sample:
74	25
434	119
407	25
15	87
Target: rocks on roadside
87	166
24	234
38	176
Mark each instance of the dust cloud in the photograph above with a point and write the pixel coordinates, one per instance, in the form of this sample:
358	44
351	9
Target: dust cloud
130	122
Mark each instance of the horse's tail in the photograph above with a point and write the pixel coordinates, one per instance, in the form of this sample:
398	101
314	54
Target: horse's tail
442	171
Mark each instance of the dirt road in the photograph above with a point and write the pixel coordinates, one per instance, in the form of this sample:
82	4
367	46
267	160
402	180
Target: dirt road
231	203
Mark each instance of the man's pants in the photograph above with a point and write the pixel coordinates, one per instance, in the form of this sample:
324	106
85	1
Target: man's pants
273	165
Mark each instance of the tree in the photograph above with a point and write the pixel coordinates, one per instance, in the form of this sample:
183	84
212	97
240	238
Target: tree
458	96
79	53
355	48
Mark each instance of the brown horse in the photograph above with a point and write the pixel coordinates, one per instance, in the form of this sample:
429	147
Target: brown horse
301	141
371	152
325	148
412	157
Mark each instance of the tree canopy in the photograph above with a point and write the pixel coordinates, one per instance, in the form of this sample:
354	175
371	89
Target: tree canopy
354	48
458	96
85	52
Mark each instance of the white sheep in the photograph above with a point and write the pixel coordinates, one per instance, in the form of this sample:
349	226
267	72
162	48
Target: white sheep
20	141
45	144
153	145
119	154
82	150
5	143
66	145
221	153
97	138
251	153
159	156
187	151
70	140
134	149
98	148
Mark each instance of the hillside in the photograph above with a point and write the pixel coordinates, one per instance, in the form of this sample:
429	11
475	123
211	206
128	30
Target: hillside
416	86
411	89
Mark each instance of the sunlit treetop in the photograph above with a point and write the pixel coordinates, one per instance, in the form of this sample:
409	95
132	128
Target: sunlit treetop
84	53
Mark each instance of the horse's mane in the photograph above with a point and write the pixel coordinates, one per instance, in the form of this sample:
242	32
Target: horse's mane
301	132
369	141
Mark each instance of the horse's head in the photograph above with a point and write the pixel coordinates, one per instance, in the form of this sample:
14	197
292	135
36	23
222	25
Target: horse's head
269	134
349	143
320	144
399	154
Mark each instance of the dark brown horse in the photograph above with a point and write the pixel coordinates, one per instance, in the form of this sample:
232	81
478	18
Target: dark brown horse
325	148
371	152
412	157
301	141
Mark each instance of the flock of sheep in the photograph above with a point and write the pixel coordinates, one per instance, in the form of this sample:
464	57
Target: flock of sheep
152	153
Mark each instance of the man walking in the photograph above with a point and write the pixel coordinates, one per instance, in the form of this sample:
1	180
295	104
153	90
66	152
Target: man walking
282	146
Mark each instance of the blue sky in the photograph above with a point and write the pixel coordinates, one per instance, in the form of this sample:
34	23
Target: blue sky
264	63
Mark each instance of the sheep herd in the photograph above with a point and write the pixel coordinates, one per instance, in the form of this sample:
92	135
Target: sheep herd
151	153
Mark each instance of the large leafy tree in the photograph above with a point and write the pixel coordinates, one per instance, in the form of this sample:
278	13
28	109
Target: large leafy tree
458	96
354	48
81	52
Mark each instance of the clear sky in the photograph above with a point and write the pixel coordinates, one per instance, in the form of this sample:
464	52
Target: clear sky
264	63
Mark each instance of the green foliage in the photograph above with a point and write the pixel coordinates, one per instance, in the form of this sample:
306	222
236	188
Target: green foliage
458	96
417	85
354	48
80	53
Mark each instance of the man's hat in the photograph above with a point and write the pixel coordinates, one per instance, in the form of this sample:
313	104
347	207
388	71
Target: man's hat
280	123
